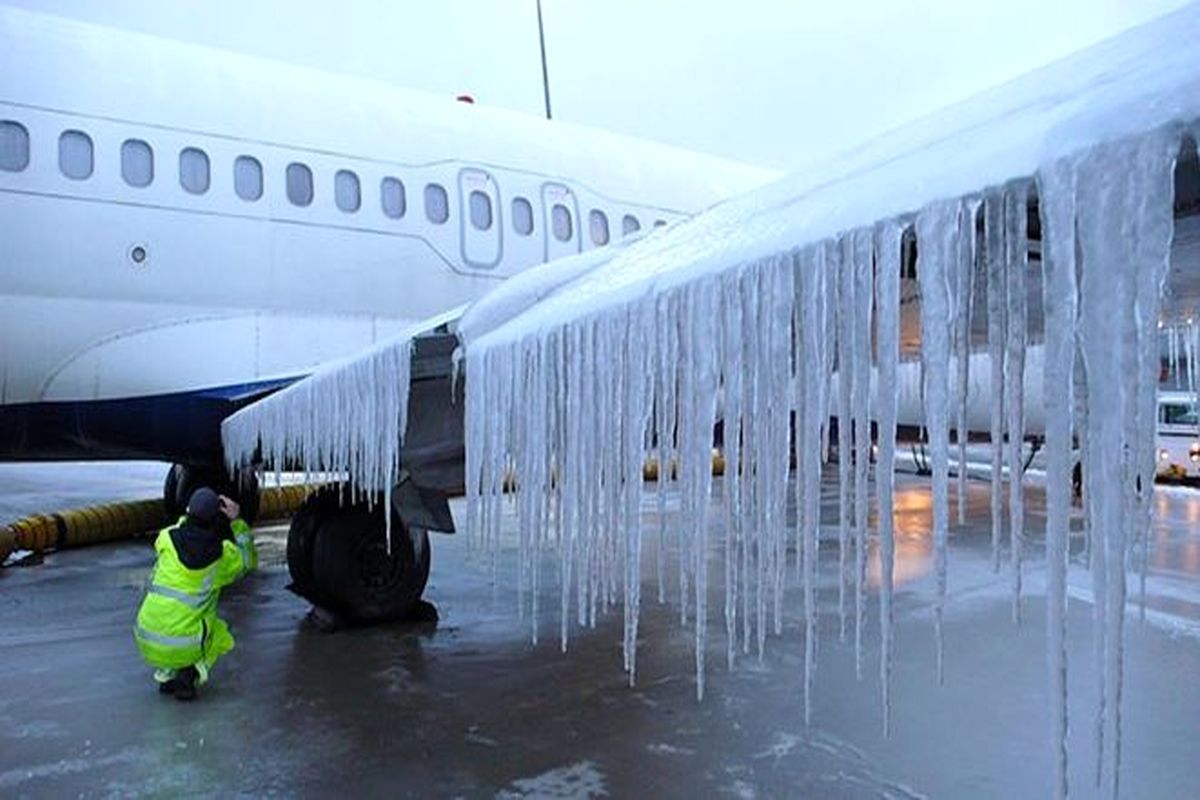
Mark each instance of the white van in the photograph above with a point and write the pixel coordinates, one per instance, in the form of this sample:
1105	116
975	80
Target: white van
1178	436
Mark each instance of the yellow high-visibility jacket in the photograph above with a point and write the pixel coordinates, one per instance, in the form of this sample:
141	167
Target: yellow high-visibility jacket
177	624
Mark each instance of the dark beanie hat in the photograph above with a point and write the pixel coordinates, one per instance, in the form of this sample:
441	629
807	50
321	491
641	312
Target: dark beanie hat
203	505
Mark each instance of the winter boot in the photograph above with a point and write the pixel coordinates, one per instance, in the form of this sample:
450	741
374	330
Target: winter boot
165	678
185	684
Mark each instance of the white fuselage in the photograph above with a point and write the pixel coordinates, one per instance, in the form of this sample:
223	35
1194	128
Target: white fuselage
215	220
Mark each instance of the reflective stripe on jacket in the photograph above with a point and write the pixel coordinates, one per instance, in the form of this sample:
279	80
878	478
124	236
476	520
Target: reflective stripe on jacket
177	621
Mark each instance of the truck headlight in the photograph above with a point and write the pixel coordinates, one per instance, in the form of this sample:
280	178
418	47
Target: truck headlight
1163	455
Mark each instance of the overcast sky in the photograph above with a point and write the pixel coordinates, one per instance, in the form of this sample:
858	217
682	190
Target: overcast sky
767	81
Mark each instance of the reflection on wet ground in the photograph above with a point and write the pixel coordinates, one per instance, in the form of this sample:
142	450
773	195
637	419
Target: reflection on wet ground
912	523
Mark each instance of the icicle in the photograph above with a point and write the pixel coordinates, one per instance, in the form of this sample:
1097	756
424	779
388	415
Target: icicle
749	531
1125	223
997	334
887	356
761	447
810	267
677	367
861	342
571	478
1016	246
801	282
761	425
964	296
1057	196
844	268
595	536
665	418
613	382
634	420
329	423
1081	426
828	303
781	296
698	393
732	370
537	455
1150	231
937	228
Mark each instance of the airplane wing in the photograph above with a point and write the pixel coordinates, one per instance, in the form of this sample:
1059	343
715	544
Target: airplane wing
393	411
350	418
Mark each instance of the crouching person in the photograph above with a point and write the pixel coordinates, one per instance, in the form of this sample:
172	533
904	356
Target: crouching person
178	630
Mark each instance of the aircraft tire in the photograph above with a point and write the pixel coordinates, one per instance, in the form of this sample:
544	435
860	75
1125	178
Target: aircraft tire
183	479
351	571
174	501
302	534
244	489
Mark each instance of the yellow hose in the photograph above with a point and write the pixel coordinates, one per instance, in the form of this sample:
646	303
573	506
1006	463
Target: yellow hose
113	521
650	468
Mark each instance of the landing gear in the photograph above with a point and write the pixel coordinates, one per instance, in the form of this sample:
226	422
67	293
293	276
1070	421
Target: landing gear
339	560
183	479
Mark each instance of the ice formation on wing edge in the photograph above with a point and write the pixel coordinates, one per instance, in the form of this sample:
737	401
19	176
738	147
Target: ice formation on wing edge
346	421
564	415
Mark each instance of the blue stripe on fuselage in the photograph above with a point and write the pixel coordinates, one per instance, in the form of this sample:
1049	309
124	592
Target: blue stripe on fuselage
182	427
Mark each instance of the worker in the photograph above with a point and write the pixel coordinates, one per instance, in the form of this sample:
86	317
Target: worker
178	630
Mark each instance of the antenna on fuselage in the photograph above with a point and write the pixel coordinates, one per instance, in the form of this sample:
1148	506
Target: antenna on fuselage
542	44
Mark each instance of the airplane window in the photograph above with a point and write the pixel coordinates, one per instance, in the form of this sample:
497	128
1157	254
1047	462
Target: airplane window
481	210
437	205
630	225
346	191
560	222
14	146
247	178
598	223
391	197
658	223
137	163
193	170
75	155
522	214
299	184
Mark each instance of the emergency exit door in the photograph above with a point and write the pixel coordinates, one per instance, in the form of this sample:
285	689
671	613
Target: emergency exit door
560	221
480	216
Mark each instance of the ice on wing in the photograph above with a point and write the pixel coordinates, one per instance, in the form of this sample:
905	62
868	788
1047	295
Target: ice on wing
739	317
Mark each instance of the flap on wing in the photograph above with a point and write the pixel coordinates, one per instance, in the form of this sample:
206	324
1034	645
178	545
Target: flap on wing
348	418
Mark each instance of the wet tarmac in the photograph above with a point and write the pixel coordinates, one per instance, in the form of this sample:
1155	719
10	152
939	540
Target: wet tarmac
470	708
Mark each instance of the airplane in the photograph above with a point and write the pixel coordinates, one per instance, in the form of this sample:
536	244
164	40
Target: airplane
186	230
